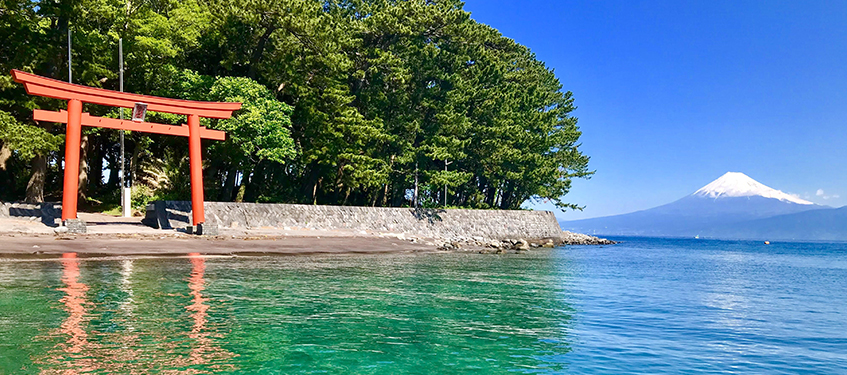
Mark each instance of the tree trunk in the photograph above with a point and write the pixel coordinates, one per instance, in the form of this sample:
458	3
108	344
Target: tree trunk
315	191
490	195
95	169
229	186
114	174
309	183
253	189
132	168
239	197
83	167
5	154
211	181
339	184
507	200
375	197
257	53
346	196
416	186
35	186
385	195
399	194
385	192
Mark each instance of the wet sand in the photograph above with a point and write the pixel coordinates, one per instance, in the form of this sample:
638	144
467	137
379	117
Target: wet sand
113	245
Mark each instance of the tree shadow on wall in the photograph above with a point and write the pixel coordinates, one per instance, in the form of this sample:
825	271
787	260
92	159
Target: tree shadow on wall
429	214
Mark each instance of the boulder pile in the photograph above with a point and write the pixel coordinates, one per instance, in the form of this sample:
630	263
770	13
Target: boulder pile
496	246
484	246
571	238
517	245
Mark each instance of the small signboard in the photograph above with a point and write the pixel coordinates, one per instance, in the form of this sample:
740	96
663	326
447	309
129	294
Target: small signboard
138	112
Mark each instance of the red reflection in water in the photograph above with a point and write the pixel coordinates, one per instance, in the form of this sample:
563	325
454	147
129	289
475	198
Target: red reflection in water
74	301
83	352
198	307
75	305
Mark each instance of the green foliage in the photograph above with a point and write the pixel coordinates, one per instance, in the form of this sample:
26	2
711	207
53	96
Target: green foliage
260	130
26	140
141	196
344	102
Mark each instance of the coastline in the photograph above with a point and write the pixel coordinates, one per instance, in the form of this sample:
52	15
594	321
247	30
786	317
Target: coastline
117	236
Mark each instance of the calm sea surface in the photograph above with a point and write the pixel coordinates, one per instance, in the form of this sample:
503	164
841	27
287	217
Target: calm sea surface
645	306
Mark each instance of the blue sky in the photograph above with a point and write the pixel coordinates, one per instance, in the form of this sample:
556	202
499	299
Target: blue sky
673	94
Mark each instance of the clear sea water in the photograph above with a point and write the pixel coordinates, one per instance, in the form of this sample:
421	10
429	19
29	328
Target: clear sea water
644	306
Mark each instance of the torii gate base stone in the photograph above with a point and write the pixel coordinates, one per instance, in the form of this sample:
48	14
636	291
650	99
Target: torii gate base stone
76	226
75	119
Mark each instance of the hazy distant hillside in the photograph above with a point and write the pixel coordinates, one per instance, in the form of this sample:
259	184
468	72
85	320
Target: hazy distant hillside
827	224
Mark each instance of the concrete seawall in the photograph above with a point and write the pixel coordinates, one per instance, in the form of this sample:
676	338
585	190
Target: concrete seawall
434	223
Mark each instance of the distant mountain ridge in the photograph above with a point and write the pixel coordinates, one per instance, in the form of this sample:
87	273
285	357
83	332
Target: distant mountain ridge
733	206
826	224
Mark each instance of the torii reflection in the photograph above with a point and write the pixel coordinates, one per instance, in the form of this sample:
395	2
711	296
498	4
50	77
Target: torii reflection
129	348
199	309
74	301
76	349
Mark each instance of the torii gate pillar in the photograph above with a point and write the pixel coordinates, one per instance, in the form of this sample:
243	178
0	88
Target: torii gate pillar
73	133
195	159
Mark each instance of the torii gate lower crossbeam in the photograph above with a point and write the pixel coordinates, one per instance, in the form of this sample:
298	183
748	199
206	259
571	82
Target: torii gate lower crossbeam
75	119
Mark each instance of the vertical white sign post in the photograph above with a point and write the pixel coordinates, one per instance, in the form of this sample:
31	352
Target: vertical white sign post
126	191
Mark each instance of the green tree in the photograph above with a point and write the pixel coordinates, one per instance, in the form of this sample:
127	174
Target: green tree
345	101
257	134
25	141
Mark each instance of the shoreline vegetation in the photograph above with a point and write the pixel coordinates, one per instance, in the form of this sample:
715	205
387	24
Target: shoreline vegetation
377	104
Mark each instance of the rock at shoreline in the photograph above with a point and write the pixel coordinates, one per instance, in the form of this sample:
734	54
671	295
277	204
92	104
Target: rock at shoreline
570	238
519	245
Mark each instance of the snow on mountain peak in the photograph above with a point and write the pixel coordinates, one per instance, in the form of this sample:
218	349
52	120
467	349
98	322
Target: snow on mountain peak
735	184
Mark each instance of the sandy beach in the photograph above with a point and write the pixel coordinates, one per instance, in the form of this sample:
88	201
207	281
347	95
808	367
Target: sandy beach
109	235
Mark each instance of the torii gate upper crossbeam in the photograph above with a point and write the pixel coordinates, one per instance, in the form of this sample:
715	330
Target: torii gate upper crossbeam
51	88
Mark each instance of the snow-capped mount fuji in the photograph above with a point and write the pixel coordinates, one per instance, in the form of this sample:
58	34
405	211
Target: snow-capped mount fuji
736	184
733	198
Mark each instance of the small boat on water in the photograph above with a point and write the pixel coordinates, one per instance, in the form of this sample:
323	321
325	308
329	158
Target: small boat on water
767	242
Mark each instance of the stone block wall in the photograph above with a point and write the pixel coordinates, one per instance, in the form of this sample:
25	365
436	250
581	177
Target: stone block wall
435	223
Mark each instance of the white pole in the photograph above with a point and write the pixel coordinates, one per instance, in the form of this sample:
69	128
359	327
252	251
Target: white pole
416	185
70	72
445	181
126	192
70	79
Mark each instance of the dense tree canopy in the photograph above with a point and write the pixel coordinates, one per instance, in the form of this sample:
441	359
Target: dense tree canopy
358	102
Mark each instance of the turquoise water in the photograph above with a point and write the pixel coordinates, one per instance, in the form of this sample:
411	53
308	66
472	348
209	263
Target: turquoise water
645	306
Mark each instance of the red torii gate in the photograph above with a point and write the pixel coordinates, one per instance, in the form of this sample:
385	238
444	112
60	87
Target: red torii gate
75	118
